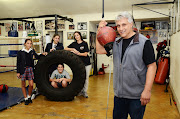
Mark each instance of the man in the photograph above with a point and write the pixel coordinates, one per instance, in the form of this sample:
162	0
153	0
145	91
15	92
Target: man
134	69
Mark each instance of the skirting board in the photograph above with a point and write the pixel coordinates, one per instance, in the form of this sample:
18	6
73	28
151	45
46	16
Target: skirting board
175	98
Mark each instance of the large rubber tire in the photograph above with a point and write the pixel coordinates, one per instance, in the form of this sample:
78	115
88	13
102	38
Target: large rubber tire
42	78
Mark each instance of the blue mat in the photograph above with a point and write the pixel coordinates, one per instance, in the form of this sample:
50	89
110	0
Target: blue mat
13	97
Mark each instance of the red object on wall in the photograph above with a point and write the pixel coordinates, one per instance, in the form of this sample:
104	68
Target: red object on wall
106	35
162	71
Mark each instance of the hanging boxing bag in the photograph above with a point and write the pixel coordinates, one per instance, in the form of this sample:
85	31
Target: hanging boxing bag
106	35
162	71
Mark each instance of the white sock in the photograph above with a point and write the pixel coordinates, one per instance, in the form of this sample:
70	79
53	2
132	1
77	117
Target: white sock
28	96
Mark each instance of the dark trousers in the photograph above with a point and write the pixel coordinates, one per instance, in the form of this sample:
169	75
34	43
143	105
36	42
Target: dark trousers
123	107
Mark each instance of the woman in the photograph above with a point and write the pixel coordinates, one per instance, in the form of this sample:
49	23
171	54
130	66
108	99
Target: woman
80	48
55	45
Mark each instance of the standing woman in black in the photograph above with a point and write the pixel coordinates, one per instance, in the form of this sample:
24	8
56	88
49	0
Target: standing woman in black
80	48
54	45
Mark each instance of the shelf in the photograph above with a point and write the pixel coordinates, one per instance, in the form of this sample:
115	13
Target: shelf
148	30
16	38
57	30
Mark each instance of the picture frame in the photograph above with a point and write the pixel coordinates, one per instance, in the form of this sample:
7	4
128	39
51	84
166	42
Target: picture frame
39	25
50	24
71	27
84	34
82	25
14	25
8	26
158	25
70	35
20	26
61	26
148	24
27	26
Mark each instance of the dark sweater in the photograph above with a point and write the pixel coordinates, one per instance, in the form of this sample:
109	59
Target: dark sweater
58	47
25	59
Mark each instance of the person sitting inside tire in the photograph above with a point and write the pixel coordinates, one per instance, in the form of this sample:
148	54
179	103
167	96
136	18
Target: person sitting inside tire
60	78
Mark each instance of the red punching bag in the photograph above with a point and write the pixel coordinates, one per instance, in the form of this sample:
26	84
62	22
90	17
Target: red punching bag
162	71
106	35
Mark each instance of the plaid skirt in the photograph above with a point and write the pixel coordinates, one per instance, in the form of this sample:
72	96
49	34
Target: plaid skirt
28	74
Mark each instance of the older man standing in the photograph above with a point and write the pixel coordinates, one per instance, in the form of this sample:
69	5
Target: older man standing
134	69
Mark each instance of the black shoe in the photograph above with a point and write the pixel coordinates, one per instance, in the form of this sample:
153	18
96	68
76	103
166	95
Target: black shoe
29	99
26	102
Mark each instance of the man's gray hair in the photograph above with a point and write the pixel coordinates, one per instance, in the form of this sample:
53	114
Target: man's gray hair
124	14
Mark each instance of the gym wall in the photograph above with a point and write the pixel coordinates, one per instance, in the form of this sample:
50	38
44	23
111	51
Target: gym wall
175	67
138	14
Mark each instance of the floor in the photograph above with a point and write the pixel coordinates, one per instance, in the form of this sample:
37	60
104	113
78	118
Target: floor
93	107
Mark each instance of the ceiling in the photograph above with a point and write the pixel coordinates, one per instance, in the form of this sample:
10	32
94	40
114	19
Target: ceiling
27	8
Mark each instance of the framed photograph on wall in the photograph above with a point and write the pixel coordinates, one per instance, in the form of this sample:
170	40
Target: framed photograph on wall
82	26
14	25
70	35
158	25
50	24
7	26
20	26
148	24
27	26
71	27
61	26
39	25
84	34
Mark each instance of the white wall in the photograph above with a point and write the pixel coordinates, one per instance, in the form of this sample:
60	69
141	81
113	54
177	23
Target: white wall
89	18
138	14
175	67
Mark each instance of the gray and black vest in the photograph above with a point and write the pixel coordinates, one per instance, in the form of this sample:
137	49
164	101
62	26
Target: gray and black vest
129	75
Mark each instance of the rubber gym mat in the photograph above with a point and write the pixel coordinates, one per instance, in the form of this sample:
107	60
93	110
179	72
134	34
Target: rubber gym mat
12	97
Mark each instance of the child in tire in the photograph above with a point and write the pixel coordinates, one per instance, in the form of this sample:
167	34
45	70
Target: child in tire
60	78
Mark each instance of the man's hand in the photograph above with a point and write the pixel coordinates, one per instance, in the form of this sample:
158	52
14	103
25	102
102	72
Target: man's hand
102	24
145	97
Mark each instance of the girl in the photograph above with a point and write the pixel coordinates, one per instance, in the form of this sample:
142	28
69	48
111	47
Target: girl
25	65
60	77
80	48
55	45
